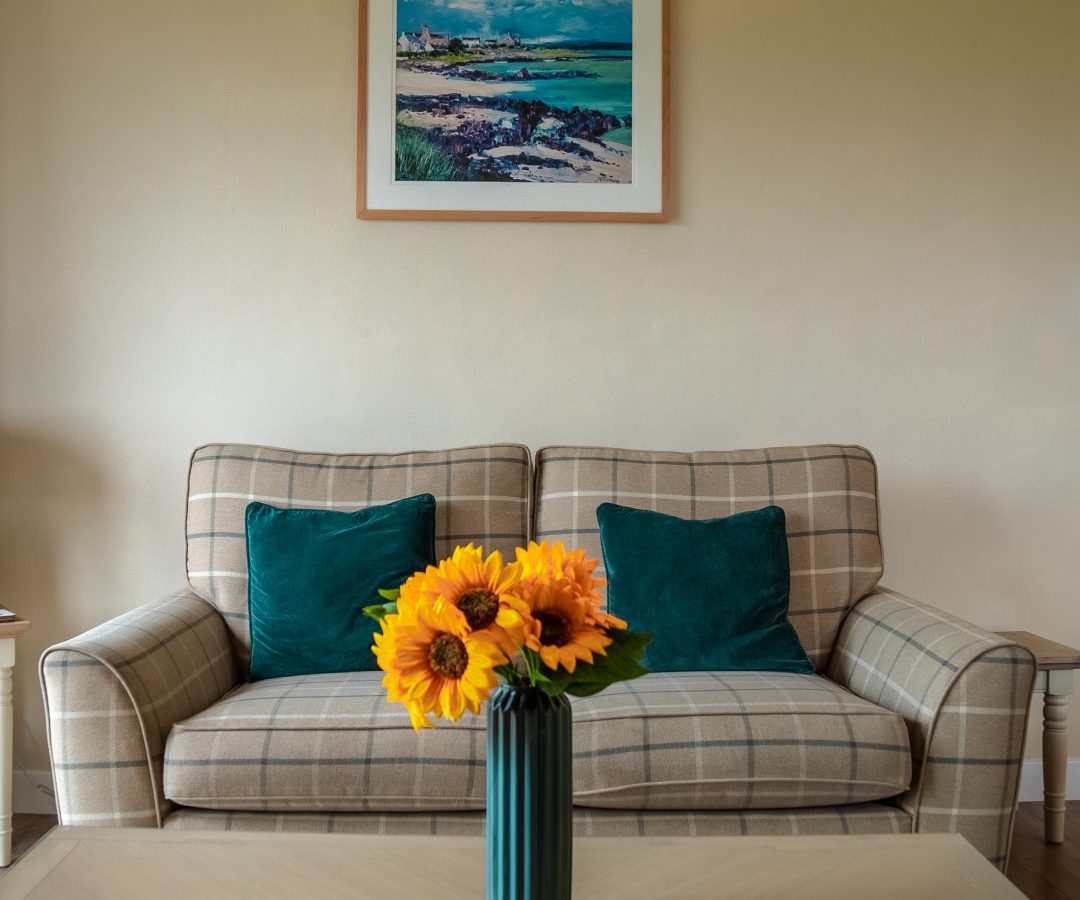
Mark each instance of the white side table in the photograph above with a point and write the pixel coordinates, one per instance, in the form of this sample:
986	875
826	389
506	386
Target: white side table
8	632
1055	663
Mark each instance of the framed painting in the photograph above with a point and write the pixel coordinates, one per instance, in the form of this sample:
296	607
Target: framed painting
513	110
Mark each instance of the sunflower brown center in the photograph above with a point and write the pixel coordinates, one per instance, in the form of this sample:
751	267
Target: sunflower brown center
554	629
448	656
480	608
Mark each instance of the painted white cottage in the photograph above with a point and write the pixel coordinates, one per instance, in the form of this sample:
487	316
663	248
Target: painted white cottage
423	41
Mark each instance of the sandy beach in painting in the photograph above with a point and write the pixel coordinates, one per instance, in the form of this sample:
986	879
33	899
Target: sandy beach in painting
479	101
417	83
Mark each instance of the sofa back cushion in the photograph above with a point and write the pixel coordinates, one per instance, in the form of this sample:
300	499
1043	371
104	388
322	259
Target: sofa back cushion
828	493
481	495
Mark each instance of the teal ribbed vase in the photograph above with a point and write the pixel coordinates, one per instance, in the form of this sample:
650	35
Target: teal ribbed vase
529	783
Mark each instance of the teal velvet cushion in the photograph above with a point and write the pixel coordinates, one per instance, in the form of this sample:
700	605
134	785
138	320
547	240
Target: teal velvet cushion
311	573
713	593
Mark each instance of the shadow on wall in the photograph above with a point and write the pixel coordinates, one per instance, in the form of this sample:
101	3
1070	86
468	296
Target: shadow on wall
49	495
957	542
51	509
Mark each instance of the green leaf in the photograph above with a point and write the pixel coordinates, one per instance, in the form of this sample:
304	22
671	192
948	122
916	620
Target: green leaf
532	665
620	663
552	687
380	611
508	672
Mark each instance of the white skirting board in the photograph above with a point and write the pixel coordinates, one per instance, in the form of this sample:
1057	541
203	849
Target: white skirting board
27	798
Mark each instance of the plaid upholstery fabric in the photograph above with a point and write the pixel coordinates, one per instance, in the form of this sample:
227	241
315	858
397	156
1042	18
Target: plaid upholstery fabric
829	494
322	742
965	694
482	495
111	697
691	741
863	818
734	740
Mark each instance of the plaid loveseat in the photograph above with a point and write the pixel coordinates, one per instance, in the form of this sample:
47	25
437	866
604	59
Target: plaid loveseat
914	720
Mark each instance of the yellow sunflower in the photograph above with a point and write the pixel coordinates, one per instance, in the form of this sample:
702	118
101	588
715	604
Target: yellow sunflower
434	665
551	563
595	614
411	594
558	627
482	590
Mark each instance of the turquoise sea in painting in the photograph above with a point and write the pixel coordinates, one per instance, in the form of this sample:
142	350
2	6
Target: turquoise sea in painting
610	91
493	90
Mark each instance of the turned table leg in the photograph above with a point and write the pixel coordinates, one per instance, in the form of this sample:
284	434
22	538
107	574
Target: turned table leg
7	660
1059	685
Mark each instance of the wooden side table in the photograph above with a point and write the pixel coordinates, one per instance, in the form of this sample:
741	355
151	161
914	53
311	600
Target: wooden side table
1055	663
8	632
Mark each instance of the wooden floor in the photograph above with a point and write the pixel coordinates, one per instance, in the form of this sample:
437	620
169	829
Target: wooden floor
1042	871
27	830
1046	871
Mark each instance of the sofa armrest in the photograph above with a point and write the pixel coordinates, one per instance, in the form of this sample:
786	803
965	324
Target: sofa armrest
964	693
111	696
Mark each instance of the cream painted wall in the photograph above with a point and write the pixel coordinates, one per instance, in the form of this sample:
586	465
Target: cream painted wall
876	236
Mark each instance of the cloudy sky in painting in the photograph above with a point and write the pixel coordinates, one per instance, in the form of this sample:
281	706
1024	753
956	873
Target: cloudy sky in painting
544	20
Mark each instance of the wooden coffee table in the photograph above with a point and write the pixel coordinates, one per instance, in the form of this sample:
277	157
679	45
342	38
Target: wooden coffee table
121	863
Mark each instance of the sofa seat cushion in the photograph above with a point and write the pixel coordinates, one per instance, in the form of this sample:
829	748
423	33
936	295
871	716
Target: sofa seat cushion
735	740
687	740
322	742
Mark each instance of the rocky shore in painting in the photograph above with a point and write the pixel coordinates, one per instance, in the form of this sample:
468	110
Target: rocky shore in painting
518	116
500	138
522	75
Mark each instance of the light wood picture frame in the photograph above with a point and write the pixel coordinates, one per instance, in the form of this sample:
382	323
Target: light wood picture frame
478	111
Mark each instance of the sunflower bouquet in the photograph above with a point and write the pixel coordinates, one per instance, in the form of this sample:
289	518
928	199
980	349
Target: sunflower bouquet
450	633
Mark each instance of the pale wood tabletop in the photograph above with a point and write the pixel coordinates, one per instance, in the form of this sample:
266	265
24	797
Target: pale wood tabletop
118	864
1049	655
13	628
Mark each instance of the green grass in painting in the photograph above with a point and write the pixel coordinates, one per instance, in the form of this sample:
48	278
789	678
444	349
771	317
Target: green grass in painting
557	53
444	58
417	159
